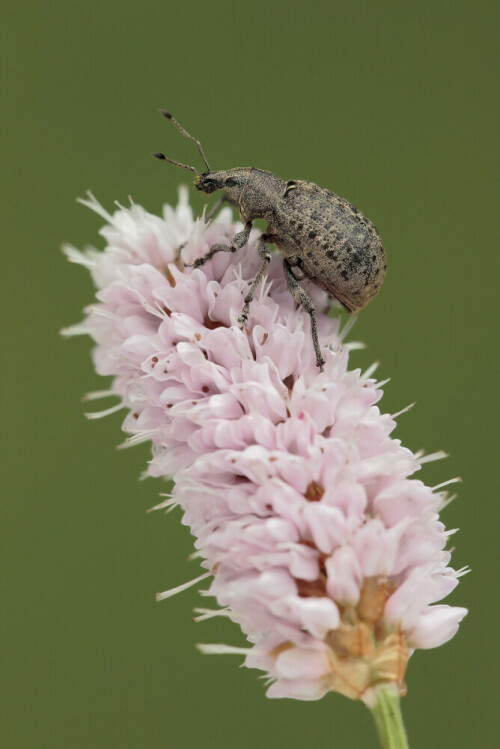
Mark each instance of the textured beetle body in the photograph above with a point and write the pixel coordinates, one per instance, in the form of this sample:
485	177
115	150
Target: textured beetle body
325	237
329	239
337	246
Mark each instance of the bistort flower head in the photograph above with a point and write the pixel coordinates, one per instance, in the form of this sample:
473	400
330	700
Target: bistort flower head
320	543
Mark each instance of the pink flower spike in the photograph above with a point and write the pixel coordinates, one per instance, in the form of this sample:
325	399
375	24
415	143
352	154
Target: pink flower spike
318	541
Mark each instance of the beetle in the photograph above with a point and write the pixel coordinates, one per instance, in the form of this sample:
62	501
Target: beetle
326	238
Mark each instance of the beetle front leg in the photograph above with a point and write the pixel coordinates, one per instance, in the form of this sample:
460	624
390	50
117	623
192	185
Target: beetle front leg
213	210
239	240
302	298
265	253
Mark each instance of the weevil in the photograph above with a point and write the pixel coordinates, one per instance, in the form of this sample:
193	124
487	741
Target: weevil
322	236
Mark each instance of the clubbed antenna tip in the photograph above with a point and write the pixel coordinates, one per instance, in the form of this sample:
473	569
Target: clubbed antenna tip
186	135
176	163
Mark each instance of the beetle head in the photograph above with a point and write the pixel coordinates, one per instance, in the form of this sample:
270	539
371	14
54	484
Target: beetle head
232	181
209	182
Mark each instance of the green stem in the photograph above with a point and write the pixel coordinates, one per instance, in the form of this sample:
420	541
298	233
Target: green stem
388	720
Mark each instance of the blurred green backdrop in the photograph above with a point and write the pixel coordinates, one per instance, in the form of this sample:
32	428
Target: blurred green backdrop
390	104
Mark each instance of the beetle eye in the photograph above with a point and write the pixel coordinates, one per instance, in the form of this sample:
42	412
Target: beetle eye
231	182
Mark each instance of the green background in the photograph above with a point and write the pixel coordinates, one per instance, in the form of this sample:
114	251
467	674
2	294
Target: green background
391	105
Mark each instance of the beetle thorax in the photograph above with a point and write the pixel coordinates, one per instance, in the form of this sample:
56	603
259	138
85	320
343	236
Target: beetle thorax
254	191
260	195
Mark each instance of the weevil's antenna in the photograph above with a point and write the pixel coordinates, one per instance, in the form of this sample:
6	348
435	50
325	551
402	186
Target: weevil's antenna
176	163
186	135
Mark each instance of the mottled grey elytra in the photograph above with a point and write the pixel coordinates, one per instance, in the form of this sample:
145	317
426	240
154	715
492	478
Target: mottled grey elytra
322	235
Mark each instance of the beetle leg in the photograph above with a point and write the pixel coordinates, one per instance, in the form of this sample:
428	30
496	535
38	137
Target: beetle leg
265	253
239	240
302	298
213	210
295	262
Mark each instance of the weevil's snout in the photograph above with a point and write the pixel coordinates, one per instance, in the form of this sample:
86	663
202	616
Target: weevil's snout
209	182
